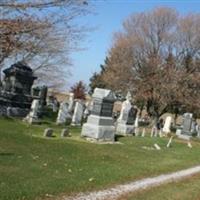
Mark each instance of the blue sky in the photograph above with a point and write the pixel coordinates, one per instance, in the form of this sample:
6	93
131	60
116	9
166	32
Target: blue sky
109	18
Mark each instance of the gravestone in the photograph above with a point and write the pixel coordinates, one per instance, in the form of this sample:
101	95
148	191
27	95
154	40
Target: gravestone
63	113
100	124
71	101
125	122
43	95
86	110
32	117
136	126
78	114
16	90
187	124
167	124
48	132
64	132
52	102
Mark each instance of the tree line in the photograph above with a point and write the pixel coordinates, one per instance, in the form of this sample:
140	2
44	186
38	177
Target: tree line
156	56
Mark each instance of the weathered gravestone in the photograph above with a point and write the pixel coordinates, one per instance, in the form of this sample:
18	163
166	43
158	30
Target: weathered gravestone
100	124
48	132
78	114
187	124
32	117
125	122
63	113
64	132
52	103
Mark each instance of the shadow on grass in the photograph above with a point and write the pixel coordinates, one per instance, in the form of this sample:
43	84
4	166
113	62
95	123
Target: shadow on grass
117	137
7	154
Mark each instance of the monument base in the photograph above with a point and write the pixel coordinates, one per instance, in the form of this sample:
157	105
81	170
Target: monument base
184	137
124	129
99	128
75	124
31	120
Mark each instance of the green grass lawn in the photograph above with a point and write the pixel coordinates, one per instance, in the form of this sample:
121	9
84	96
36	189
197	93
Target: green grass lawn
33	166
187	189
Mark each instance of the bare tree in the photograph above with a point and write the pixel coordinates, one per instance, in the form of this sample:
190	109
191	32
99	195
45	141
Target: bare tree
41	33
156	57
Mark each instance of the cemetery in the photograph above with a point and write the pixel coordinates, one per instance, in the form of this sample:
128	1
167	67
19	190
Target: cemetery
129	131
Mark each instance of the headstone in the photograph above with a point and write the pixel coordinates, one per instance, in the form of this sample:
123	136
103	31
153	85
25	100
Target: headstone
78	114
125	122
100	124
63	113
16	90
71	101
32	117
187	124
136	126
143	132
169	142
157	147
198	130
52	102
43	95
19	79
86	111
48	132
189	145
167	124
178	132
64	132
154	131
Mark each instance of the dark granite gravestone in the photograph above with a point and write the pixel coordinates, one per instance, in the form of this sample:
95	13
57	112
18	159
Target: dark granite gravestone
100	124
16	90
19	79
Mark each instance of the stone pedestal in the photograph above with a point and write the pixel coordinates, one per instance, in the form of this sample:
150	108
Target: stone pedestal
100	125
99	128
125	129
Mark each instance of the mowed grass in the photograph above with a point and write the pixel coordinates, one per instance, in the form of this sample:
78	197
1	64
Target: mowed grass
187	189
32	166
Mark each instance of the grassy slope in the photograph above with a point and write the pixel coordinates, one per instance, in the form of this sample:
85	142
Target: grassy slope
35	166
187	189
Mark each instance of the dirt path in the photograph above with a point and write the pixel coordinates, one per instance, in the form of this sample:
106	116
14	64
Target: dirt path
116	192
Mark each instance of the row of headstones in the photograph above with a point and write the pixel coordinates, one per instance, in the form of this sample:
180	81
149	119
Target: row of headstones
100	125
74	110
189	127
48	132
